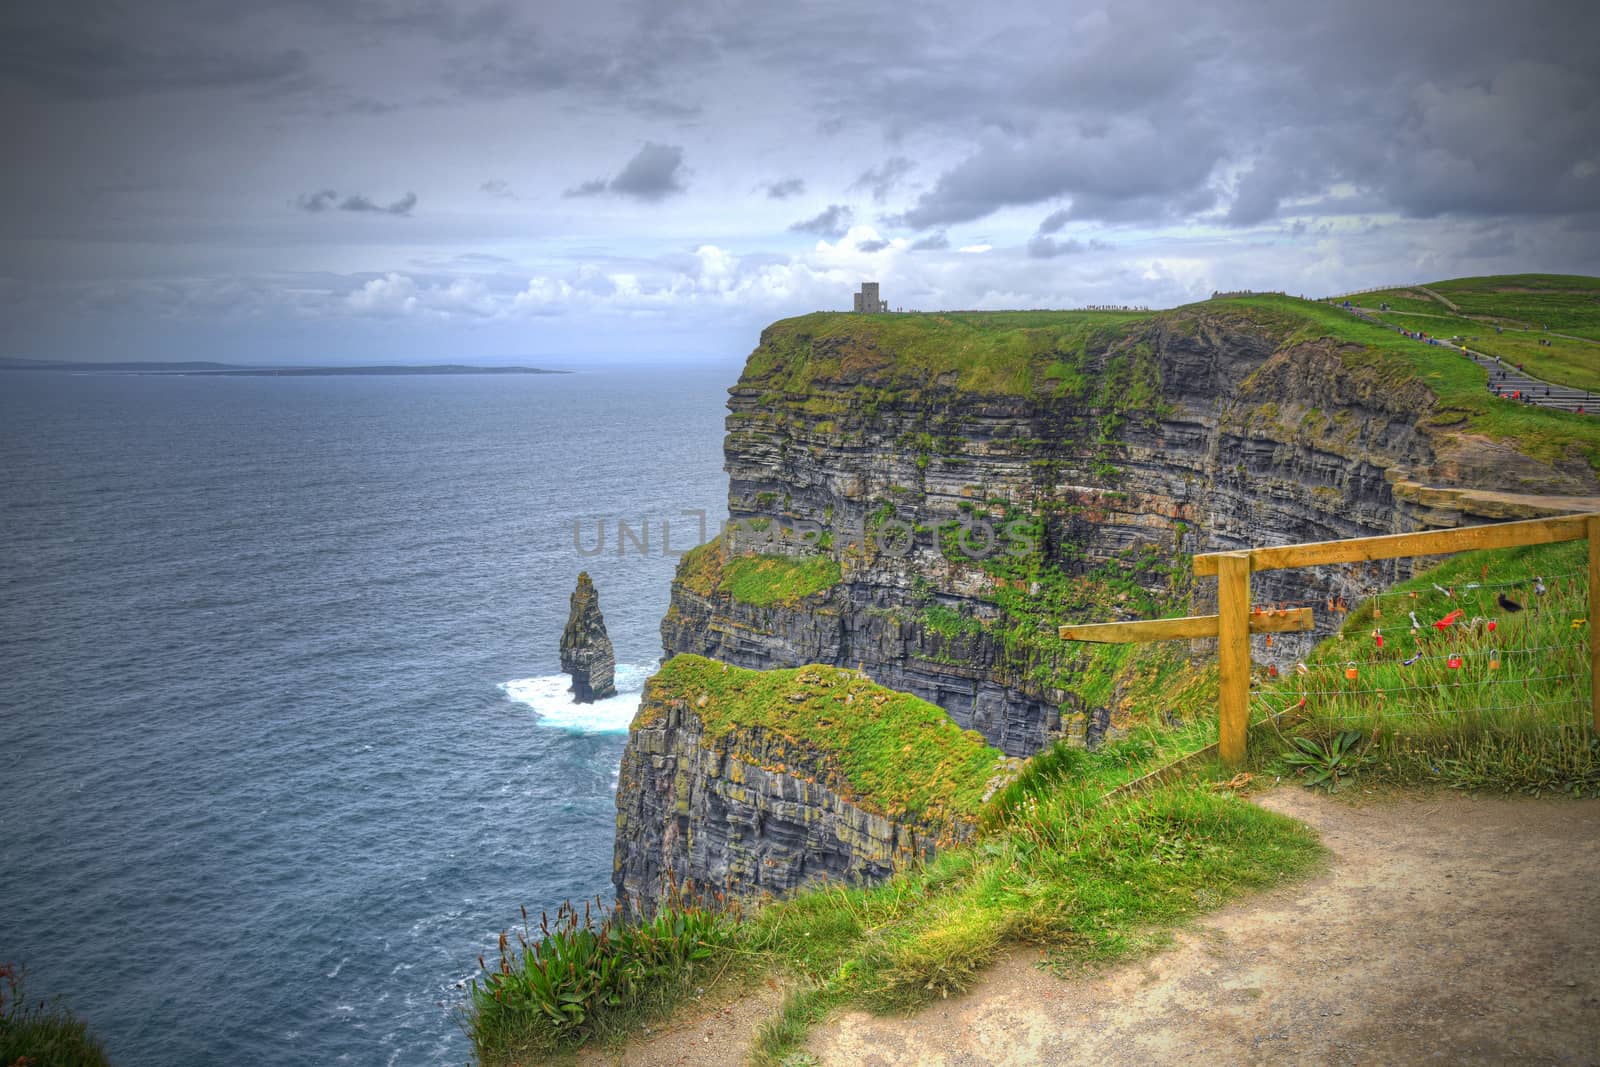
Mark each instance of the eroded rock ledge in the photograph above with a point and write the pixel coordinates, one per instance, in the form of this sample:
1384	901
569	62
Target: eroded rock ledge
750	783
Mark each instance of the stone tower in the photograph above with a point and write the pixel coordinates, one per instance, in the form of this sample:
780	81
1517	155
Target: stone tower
867	302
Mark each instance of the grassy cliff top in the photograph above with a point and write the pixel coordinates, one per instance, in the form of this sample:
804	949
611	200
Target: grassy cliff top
1005	352
886	751
1056	353
1458	382
1507	316
1566	303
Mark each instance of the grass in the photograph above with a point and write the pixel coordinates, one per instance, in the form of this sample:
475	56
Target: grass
1567	303
886	751
763	580
1092	879
1457	382
1512	717
1562	361
1089	882
41	1034
593	978
759	580
1006	352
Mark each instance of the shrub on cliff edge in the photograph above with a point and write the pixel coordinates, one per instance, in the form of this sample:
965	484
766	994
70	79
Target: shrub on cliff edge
43	1035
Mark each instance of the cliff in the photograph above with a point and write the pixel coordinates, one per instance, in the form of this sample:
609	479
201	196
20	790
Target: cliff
586	651
926	497
751	782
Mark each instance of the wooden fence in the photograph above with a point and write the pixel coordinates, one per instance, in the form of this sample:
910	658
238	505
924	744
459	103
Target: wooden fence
1235	621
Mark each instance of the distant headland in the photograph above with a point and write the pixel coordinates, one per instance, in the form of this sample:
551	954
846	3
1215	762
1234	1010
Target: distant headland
238	371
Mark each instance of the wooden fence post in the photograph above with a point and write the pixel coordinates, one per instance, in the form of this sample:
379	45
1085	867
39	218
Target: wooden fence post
1233	654
1594	619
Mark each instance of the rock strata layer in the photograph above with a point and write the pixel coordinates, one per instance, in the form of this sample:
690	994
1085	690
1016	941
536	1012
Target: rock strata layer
1194	430
586	651
750	809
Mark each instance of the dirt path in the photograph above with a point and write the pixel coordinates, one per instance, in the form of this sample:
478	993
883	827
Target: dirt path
1445	930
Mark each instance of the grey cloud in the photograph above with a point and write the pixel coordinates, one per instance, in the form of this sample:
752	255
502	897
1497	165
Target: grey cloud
654	173
833	222
1040	247
498	188
1054	221
872	246
328	199
1131	165
784	188
89	66
321	200
358	202
934	242
880	181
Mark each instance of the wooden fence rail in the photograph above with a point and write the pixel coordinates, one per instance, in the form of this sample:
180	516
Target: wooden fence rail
1235	622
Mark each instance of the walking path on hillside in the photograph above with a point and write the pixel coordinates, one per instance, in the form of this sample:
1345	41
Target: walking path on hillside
1445	929
1505	376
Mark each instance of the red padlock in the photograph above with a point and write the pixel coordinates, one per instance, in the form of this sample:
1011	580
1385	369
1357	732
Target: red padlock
1377	635
1272	672
1453	662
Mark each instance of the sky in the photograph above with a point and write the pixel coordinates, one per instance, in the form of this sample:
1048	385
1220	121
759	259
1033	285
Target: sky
325	181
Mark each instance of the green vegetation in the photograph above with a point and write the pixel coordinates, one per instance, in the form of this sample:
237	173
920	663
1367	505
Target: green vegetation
1562	361
767	580
1092	876
1513	716
1521	305
1457	381
887	751
1088	881
1008	352
1566	303
591	977
761	580
42	1034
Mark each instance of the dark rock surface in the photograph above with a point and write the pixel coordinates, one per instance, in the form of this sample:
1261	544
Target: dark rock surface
1249	438
725	816
586	651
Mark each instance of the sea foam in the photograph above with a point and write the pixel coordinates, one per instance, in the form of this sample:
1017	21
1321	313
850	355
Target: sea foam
549	696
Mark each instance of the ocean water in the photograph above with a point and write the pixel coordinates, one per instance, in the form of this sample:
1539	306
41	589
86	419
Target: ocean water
283	741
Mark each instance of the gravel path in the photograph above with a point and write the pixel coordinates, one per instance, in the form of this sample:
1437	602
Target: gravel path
1449	930
1445	930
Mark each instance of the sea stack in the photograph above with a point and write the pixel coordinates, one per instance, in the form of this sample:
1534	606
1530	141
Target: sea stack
586	651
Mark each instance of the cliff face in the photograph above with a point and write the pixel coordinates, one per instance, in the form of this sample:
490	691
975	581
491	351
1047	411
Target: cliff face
972	503
751	784
586	651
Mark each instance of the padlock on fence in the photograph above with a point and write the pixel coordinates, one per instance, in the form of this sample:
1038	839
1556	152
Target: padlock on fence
1494	660
1350	671
1377	635
1453	661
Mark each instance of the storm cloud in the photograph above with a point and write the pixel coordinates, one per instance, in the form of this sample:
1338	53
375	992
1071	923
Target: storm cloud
192	160
655	173
329	199
833	221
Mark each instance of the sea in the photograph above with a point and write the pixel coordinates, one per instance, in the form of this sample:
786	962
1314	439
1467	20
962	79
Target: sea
284	742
